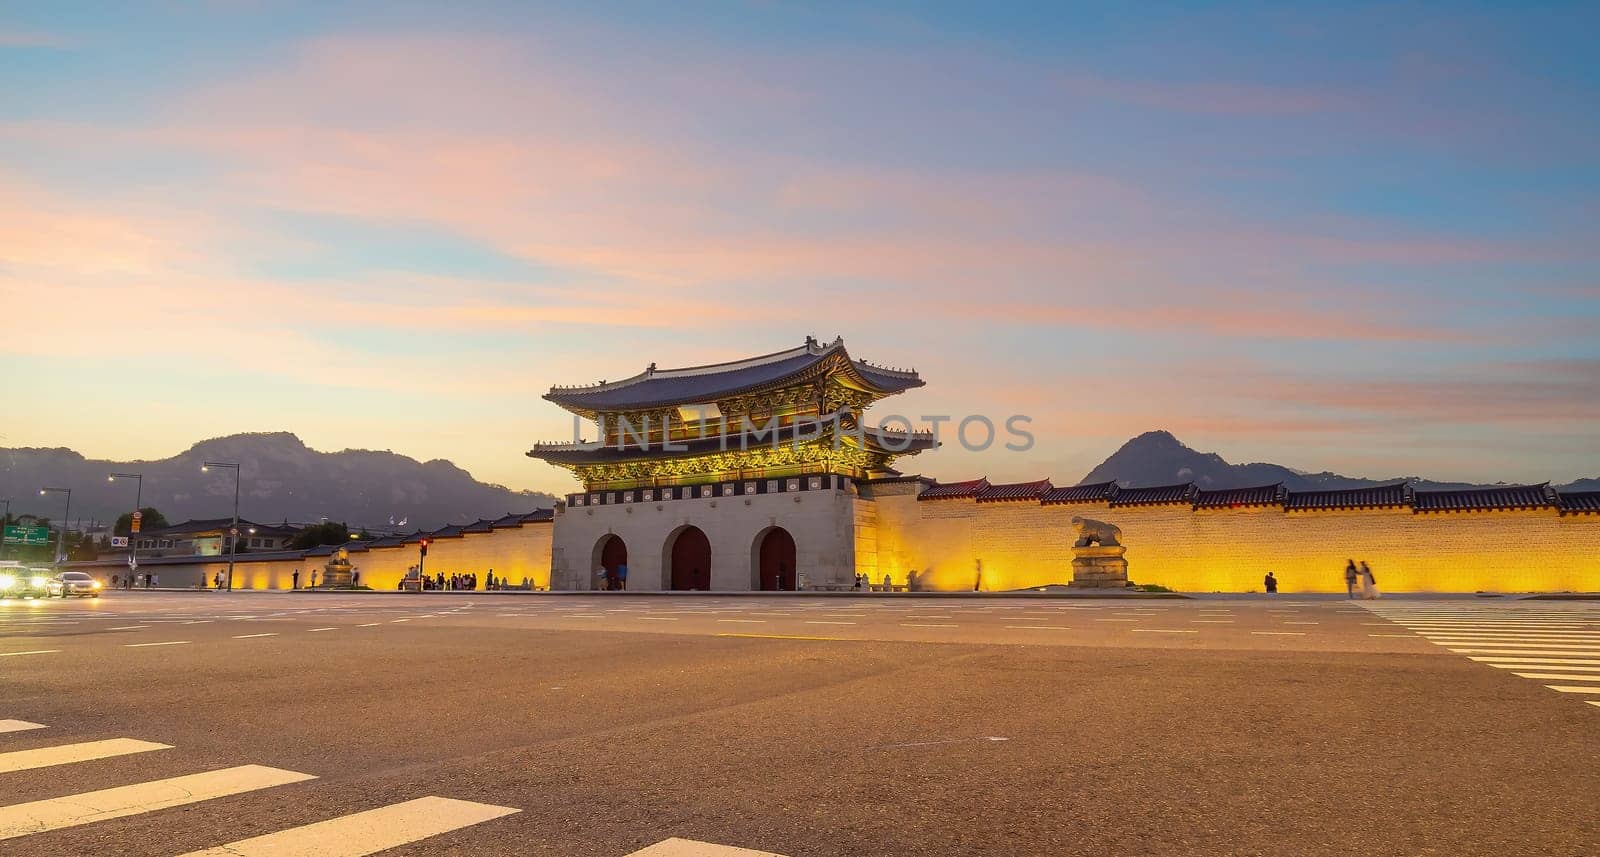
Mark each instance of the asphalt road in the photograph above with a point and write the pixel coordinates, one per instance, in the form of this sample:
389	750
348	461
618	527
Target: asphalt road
609	724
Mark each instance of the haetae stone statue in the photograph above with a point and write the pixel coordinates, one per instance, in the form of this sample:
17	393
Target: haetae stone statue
1097	561
338	572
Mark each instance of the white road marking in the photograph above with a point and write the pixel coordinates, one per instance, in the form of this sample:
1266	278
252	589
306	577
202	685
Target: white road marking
1558	676
1570	688
367	832
1038	627
927	625
33	652
41	816
649	618
826	622
18	726
1214	621
129	628
166	643
747	621
1280	633
1160	631
253	636
1495	662
370	625
314	630
690	848
44	757
1523	652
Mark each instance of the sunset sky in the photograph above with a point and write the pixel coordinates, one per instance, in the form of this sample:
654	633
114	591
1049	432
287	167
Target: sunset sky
1358	238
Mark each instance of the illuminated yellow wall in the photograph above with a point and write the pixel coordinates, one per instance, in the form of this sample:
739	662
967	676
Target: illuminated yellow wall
1022	544
513	553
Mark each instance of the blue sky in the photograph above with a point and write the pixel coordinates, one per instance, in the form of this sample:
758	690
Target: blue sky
1358	238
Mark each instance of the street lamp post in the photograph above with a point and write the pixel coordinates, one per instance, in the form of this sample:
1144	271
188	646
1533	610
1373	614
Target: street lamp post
4	522
233	532
61	532
138	503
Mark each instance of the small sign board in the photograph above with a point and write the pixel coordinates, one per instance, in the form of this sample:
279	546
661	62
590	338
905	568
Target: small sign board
27	535
138	518
119	541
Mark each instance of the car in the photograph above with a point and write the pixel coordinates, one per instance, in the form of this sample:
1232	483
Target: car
25	583
74	583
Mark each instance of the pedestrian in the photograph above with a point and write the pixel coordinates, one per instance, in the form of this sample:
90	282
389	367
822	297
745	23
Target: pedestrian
1369	584
355	578
1350	576
604	577
622	576
217	581
114	579
488	582
1272	584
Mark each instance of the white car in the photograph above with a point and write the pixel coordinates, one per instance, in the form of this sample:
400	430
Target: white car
74	583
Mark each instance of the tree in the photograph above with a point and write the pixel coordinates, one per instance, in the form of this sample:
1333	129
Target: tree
325	533
150	519
80	548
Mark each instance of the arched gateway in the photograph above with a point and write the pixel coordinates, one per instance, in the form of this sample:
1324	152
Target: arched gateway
774	561
719	455
612	554
689	560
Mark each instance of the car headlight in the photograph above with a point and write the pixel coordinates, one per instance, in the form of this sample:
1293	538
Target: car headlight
96	584
37	581
7	581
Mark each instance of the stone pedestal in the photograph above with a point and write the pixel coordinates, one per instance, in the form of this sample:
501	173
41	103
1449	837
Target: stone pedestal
338	573
1099	567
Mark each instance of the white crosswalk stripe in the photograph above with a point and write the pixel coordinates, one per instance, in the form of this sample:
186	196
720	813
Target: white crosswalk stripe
65	754
41	816
365	832
18	726
1555	645
690	848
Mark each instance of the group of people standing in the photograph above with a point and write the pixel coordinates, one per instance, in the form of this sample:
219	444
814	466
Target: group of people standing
613	579
467	582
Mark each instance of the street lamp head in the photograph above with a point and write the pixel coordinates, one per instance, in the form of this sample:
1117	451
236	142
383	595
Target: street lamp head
111	478
42	492
205	468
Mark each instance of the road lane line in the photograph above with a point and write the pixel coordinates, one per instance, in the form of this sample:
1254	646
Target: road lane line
1037	627
650	618
676	847
928	625
1161	631
32	652
746	621
144	645
1406	636
1505	661
19	726
1572	688
370	625
41	816
1552	653
827	622
1559	676
129	628
253	636
1213	621
367	832
315	630
1279	633
779	637
65	754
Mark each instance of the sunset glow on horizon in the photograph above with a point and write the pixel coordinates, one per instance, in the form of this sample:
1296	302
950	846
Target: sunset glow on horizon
1360	239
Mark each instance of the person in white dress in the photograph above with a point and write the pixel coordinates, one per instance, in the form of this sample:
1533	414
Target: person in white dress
1369	584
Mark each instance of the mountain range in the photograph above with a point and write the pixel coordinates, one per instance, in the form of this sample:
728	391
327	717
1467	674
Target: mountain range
280	479
1158	458
283	479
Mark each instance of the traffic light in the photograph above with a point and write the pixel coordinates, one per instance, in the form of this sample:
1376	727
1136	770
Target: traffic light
424	547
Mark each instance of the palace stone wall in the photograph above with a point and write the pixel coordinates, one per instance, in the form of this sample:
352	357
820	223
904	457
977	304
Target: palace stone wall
1015	545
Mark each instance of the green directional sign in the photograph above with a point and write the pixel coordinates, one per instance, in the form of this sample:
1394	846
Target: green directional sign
27	535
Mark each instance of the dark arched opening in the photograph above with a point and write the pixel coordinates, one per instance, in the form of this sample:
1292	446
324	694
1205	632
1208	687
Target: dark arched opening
775	564
613	558
691	560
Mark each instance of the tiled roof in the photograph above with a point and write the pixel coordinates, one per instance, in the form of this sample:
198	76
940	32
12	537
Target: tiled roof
952	490
482	525
518	519
654	387
1475	499
452	531
206	525
1159	494
1081	493
1580	502
1374	497
1014	491
387	542
327	550
1230	498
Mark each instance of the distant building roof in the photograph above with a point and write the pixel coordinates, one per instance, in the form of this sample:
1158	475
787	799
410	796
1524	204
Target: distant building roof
1580	502
1157	495
953	490
697	384
202	526
1483	499
482	525
1014	491
1095	493
1373	497
1233	498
